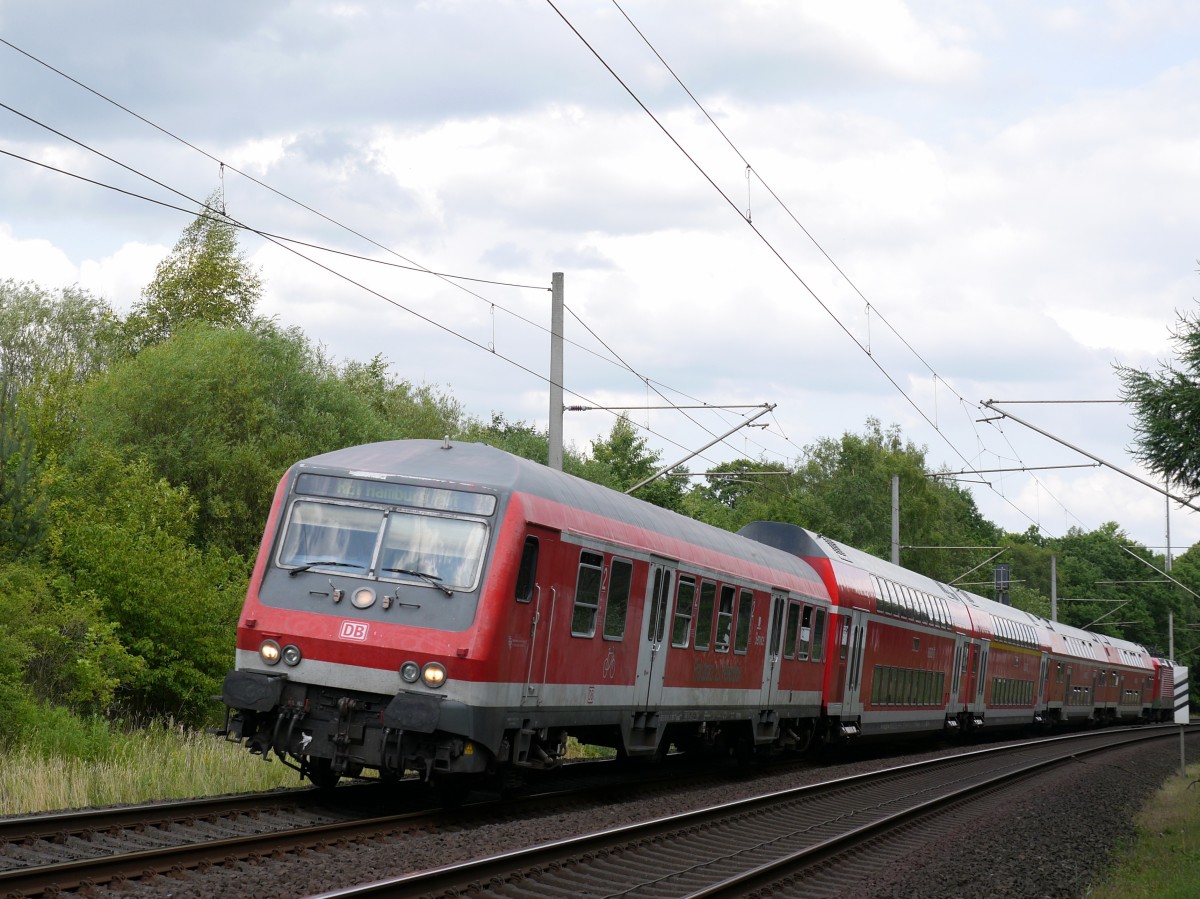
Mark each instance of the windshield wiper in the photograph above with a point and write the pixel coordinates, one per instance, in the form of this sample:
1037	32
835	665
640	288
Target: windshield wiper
433	579
329	564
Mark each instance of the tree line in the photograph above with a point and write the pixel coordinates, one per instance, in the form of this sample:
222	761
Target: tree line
139	454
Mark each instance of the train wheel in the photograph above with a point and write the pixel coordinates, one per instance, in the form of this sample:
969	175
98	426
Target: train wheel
321	773
453	791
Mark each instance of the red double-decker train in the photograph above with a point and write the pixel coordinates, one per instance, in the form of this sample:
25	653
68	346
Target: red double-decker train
454	610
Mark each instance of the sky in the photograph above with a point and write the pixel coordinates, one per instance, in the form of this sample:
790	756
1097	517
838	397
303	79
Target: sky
854	211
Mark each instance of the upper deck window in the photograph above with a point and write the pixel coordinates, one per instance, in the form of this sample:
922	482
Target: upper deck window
390	544
362	490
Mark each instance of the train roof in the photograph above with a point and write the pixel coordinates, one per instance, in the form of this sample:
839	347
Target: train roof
1054	635
477	465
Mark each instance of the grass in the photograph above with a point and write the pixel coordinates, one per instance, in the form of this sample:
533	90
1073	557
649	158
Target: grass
1164	862
69	762
160	761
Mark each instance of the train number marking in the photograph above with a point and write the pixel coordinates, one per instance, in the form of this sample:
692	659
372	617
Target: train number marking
354	630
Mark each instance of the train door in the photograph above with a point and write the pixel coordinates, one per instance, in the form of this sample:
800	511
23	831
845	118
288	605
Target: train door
974	679
771	667
652	649
852	705
540	601
955	703
1042	697
979	698
1068	695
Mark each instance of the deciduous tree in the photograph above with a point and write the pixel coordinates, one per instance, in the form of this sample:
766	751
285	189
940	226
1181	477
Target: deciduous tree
205	278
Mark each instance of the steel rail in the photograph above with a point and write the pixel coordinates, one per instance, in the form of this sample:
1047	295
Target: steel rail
820	853
47	878
492	873
78	821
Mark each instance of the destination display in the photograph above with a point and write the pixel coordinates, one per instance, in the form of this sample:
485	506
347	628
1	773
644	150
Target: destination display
396	494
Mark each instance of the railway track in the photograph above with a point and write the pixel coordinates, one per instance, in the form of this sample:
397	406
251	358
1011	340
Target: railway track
781	844
48	854
64	850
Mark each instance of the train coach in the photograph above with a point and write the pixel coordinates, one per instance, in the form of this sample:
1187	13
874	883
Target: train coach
923	655
457	611
454	610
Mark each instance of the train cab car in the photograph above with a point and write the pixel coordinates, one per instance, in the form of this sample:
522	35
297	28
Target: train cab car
454	610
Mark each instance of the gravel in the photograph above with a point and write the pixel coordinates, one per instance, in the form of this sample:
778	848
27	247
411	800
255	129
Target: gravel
1052	842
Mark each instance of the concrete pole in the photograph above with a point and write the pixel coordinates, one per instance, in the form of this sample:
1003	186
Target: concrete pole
556	371
1167	485
895	519
1054	588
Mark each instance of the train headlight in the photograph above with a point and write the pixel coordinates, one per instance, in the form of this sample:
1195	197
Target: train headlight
362	598
433	674
292	655
410	672
269	652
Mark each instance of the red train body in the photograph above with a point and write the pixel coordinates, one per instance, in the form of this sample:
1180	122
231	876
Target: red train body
455	610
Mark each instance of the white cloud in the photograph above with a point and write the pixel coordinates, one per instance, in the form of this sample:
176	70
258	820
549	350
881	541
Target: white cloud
35	259
1009	187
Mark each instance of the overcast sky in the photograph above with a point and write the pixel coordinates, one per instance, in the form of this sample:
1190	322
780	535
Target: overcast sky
948	202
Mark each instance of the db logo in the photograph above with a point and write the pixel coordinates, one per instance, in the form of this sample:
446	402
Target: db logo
354	630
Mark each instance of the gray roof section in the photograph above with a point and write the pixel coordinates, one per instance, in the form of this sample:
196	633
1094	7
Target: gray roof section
477	465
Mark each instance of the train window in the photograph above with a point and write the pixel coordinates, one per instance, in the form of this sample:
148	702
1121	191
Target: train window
724	619
323	535
587	594
818	637
658	605
449	549
527	573
685	598
802	646
744	615
876	684
888	604
620	579
793	628
777	606
1058	676
704	614
343	537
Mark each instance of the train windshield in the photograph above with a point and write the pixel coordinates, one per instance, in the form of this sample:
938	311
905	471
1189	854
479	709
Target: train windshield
388	544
